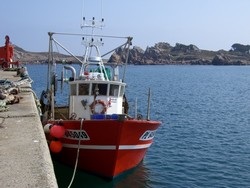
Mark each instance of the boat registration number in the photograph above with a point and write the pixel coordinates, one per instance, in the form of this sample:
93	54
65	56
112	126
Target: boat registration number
76	135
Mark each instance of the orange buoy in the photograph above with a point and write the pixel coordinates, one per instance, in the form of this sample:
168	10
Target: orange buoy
57	131
55	146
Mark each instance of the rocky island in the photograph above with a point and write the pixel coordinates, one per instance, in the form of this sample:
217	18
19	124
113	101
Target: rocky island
161	53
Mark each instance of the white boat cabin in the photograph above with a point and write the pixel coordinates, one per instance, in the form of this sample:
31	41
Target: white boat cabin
97	90
92	97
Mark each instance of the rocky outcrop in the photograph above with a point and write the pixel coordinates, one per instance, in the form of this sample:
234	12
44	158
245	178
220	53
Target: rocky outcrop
180	54
161	53
183	48
222	59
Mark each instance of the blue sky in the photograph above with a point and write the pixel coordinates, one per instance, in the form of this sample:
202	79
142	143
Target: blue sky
208	24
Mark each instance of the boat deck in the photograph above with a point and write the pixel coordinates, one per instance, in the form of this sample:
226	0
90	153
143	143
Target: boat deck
24	155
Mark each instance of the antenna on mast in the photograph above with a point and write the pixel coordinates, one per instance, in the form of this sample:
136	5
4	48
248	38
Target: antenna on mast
92	24
82	13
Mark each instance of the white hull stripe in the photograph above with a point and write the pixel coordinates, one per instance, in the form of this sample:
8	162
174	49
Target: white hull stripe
142	146
107	147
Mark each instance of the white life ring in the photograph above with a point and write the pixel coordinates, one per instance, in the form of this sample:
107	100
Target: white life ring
98	107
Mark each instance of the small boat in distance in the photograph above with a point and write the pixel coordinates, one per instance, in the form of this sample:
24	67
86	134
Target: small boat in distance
94	131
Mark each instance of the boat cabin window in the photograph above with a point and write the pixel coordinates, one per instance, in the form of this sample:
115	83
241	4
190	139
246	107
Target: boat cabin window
99	89
72	89
122	91
114	90
83	89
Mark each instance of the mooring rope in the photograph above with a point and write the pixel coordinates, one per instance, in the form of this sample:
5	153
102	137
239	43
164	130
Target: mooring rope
6	84
77	156
3	106
7	87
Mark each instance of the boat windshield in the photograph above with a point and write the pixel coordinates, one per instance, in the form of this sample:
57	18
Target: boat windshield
99	89
83	89
114	90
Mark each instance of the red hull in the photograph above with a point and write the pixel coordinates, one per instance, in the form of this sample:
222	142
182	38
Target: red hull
108	147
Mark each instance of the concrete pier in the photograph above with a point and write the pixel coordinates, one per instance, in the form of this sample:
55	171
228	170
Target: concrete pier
24	155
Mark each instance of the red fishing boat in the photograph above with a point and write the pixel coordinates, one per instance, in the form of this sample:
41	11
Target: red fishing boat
94	131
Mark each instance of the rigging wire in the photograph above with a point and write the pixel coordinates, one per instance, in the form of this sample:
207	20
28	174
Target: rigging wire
57	50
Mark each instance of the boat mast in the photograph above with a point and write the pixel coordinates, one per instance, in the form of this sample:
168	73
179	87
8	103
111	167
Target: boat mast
91	43
51	81
49	60
127	46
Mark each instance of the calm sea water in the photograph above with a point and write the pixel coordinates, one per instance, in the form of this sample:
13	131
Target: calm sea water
204	140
